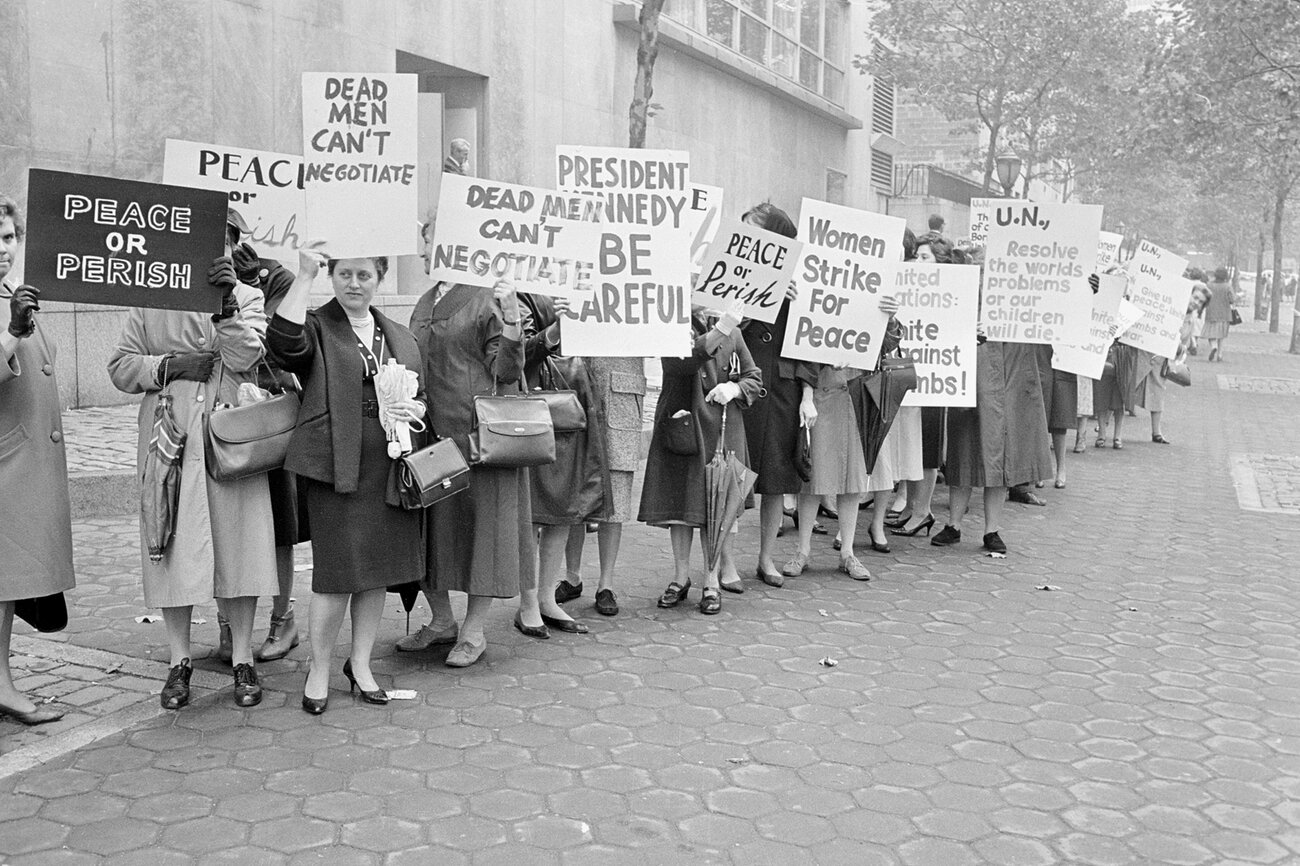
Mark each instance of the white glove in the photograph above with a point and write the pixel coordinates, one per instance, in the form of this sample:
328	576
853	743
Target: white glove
723	393
731	317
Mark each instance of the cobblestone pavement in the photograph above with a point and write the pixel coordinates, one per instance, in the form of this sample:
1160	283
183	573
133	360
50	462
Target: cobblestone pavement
101	440
1123	688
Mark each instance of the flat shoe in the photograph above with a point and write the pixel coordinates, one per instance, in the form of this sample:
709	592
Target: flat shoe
735	586
1119	445
569	626
710	602
818	529
674	594
537	631
772	579
823	511
565	591
606	603
851	566
38	716
1060	484
795	566
993	543
1079	448
425	638
464	654
1159	439
946	537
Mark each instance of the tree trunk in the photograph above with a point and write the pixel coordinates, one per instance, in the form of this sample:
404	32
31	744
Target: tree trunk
1261	309
1275	305
991	158
647	52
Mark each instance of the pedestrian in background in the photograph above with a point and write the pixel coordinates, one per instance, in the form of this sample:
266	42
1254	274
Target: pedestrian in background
35	515
1218	314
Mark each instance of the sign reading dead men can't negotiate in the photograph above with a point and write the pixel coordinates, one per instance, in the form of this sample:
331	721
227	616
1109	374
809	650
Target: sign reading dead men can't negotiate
938	307
265	187
1089	359
748	264
544	241
641	304
360	150
1159	289
1036	269
100	240
845	266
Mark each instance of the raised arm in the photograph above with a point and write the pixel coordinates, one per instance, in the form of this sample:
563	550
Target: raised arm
293	346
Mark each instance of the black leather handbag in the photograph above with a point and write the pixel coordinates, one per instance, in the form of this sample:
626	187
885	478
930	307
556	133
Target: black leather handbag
431	474
511	431
240	441
567	414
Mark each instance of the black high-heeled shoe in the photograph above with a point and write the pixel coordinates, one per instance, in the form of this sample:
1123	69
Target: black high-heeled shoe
926	524
876	545
315	706
378	696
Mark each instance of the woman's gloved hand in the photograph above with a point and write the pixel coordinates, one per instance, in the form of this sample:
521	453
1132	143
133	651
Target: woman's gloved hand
222	276
22	311
190	366
723	393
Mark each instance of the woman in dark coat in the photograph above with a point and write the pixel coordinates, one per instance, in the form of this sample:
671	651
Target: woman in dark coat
481	542
719	371
774	423
36	519
364	540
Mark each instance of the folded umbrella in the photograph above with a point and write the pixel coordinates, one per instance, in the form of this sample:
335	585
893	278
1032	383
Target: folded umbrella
394	383
161	481
876	400
727	483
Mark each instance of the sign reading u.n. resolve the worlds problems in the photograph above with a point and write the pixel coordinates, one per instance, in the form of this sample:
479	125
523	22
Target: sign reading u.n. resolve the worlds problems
100	240
265	187
542	240
847	263
360	151
641	303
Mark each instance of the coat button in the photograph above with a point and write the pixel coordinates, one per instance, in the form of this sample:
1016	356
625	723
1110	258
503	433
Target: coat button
56	436
48	369
203	340
198	398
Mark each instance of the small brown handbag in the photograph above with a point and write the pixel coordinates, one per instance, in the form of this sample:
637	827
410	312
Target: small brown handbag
240	441
431	475
510	431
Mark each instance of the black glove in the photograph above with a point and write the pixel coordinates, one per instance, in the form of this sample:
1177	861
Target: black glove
247	264
1094	282
191	366
22	311
222	276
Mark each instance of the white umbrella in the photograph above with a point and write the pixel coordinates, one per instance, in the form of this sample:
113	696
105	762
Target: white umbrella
394	383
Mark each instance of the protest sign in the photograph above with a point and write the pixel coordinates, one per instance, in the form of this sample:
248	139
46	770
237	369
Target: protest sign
1108	244
1161	292
1129	315
981	215
641	304
705	214
749	264
100	240
1089	358
265	187
360	151
938	307
545	241
1036	269
846	264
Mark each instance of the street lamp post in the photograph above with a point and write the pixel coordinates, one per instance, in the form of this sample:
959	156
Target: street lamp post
1008	173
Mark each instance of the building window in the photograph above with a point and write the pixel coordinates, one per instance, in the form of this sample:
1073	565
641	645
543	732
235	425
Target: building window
882	171
884	96
802	40
836	186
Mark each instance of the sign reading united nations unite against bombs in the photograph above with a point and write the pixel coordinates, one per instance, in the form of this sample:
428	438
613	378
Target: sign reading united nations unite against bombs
938	306
360	150
265	187
1162	293
846	264
1036	271
100	240
545	241
641	303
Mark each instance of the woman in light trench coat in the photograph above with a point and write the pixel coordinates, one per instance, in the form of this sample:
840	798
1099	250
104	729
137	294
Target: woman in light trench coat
224	546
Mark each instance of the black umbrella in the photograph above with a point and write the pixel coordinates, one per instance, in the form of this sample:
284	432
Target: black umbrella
876	400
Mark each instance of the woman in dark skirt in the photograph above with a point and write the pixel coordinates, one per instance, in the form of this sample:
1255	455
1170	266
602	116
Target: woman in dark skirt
774	423
364	540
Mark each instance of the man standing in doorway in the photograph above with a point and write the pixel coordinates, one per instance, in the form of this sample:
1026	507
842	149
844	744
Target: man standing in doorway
457	161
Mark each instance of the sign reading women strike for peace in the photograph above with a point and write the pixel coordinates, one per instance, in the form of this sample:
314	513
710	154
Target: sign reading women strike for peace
1036	271
1161	292
641	304
100	240
265	187
360	149
748	264
545	241
1089	358
1108	244
938	307
846	264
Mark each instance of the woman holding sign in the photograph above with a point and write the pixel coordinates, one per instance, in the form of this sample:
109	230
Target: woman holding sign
224	543
719	377
36	542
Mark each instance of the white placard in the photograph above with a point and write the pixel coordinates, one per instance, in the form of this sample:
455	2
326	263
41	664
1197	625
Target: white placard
1129	315
1036	271
846	264
1108	244
749	264
1161	291
641	306
361	149
981	215
1089	358
704	218
939	308
545	241
264	186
